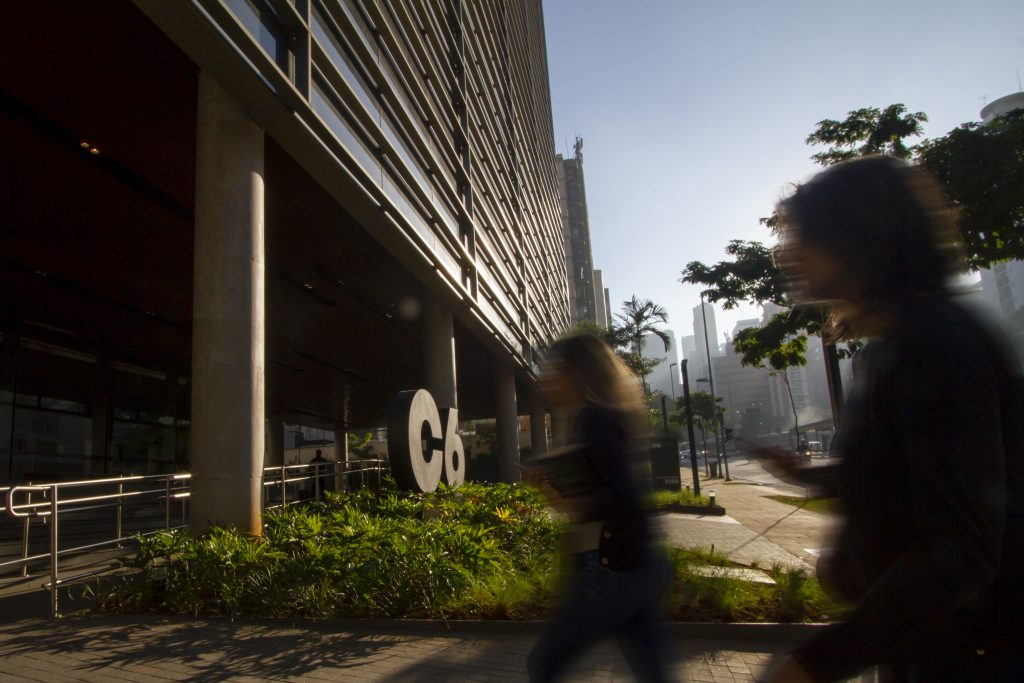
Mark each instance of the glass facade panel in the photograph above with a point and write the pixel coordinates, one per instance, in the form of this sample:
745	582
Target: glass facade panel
49	442
329	40
49	446
139	448
263	25
142	433
397	194
448	260
352	141
355	18
410	161
6	403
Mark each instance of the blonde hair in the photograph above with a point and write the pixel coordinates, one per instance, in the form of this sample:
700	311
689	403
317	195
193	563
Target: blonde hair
600	376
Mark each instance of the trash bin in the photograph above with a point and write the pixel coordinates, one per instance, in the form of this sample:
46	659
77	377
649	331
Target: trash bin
714	468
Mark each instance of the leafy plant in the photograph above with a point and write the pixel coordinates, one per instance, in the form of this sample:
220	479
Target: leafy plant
477	552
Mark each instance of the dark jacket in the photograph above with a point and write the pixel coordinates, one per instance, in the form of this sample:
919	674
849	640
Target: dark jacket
932	483
618	501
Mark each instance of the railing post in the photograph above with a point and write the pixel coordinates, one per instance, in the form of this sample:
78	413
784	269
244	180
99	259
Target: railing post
316	483
117	530
54	553
167	502
284	488
24	537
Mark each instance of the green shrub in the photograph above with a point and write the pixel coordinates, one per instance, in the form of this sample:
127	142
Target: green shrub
681	497
478	552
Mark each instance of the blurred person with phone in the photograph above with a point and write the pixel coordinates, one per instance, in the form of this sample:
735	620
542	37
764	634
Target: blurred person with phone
617	576
930	471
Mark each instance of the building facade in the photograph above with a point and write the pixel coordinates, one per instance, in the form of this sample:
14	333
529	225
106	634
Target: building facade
603	315
576	236
231	216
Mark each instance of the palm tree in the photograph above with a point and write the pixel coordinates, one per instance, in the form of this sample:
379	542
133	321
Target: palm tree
640	317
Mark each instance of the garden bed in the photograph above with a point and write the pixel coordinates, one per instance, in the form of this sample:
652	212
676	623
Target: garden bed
686	502
480	552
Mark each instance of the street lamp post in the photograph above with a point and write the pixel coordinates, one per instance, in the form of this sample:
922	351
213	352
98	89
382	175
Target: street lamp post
689	431
711	382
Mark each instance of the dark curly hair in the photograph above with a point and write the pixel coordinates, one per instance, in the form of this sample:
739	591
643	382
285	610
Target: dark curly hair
886	220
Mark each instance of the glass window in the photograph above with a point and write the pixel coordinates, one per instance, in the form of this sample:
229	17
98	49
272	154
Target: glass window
328	39
263	24
325	107
448	260
397	194
142	436
410	160
52	424
6	403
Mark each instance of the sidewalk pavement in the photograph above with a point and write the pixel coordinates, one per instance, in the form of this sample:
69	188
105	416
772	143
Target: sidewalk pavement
155	649
755	529
144	649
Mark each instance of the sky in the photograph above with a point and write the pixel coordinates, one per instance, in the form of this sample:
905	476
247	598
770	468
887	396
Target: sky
694	114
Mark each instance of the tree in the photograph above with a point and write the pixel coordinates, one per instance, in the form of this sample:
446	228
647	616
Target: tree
608	334
640	317
621	342
752	277
979	166
867	131
784	375
707	413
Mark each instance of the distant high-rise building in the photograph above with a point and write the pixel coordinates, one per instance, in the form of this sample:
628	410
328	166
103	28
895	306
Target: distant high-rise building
769	311
600	300
745	393
664	377
576	236
688	347
701	361
742	325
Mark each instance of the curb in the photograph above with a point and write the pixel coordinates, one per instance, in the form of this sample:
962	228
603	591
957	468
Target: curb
694	630
716	511
749	632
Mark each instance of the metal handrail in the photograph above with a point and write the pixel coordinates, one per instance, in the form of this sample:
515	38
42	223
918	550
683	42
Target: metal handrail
311	480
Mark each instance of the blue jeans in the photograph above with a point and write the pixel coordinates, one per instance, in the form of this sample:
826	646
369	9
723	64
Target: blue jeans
603	603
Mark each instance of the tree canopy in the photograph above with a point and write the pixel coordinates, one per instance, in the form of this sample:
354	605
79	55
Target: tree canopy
638	317
980	166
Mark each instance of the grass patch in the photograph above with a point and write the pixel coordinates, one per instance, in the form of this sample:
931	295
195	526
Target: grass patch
796	596
681	497
478	552
824	506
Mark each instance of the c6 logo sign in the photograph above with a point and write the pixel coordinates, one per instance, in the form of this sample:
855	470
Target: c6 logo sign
420	448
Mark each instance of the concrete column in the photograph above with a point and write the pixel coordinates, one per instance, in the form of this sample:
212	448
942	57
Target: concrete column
538	426
228	316
275	441
508	424
439	354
